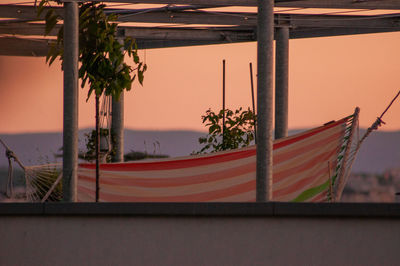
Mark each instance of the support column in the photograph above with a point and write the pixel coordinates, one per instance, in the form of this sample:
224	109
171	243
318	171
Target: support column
117	128
265	37
70	130
281	82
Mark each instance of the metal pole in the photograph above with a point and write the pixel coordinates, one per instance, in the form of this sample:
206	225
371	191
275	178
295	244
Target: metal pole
70	131
117	123
117	128
223	104
97	148
281	82
252	100
265	37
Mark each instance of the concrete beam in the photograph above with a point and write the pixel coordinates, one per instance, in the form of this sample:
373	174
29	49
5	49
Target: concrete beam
347	4
117	128
300	33
12	46
215	18
281	82
70	130
265	33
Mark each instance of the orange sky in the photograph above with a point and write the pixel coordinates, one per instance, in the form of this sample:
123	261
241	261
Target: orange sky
329	77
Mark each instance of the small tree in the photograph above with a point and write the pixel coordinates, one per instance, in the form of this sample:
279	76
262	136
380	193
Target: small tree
101	55
238	131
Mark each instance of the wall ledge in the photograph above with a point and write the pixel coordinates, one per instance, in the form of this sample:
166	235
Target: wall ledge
272	209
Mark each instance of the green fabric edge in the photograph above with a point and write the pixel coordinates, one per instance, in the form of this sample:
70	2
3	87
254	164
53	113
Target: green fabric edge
311	192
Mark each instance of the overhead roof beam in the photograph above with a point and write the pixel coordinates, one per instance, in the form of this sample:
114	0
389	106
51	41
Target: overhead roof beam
232	35
154	44
163	38
339	21
229	18
25	12
11	46
303	22
346	4
192	2
300	33
250	19
193	17
156	33
26	29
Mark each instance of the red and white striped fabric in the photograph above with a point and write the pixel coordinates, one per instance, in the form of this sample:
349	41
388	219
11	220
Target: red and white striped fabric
300	173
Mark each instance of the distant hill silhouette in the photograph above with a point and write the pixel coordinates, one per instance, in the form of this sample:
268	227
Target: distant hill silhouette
381	150
36	148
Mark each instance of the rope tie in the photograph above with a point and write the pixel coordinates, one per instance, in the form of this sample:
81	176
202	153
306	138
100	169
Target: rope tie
10	154
10	176
378	122
42	182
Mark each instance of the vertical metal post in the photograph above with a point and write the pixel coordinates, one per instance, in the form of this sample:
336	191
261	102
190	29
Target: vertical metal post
223	104
97	148
117	127
70	131
281	82
265	37
252	100
117	122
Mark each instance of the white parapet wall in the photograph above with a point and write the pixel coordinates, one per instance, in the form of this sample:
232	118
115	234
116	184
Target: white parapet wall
199	234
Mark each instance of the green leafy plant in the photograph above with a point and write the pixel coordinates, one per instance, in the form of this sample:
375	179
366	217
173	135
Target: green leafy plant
238	131
101	53
101	56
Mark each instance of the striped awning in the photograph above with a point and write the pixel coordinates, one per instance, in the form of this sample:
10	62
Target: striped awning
304	167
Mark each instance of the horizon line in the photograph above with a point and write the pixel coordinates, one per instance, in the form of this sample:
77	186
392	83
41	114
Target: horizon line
159	130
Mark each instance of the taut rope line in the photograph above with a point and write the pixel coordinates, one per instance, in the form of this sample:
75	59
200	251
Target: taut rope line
378	121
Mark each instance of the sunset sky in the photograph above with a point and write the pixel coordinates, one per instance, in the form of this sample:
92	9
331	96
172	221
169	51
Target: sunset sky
329	77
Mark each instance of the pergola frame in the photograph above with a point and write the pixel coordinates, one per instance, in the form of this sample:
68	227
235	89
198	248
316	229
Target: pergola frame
235	26
217	27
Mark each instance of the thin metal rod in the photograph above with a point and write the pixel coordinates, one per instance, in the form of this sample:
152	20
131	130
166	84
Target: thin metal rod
281	82
265	33
252	100
70	130
117	123
223	104
97	143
